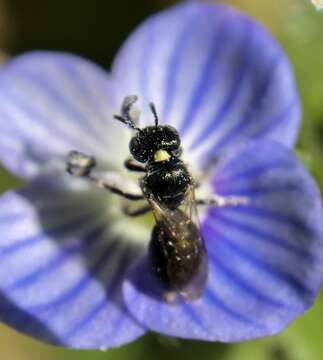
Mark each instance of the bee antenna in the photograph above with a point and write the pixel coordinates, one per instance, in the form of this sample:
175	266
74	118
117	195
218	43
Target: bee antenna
126	121
154	111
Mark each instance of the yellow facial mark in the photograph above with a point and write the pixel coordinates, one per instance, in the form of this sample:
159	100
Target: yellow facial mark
161	155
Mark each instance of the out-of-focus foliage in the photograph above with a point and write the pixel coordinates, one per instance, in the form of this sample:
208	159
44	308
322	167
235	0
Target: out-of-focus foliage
302	38
96	29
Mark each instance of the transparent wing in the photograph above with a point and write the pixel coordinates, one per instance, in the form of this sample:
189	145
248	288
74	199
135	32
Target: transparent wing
180	236
195	288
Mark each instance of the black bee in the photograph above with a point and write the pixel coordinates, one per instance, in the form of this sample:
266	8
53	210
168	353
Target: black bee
176	251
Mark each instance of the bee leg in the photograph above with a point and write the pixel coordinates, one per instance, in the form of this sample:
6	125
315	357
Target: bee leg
81	165
114	188
131	165
136	212
221	201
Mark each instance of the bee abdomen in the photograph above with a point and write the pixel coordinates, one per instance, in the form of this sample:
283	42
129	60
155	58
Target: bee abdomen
174	262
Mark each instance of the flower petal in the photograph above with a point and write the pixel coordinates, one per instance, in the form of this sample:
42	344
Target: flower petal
51	103
213	73
62	268
265	257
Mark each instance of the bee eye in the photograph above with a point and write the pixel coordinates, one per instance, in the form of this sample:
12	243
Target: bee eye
150	139
138	149
170	139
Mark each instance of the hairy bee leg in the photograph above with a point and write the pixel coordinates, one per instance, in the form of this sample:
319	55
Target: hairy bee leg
103	184
81	165
137	212
131	165
221	201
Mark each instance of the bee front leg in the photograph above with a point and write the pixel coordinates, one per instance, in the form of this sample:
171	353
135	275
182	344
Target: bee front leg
136	212
132	165
81	165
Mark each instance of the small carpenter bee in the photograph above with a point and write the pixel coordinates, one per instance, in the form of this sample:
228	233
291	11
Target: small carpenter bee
176	251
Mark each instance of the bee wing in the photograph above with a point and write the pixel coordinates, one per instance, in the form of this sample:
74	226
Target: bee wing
171	217
189	206
195	287
183	231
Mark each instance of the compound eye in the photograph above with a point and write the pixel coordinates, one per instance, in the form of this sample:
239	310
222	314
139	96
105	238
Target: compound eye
138	150
171	140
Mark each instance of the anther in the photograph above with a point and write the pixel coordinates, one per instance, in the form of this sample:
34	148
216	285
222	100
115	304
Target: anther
79	164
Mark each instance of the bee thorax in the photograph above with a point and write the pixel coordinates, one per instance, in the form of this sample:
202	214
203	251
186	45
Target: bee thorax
168	181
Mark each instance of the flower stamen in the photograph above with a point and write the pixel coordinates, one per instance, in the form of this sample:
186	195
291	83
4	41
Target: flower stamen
81	165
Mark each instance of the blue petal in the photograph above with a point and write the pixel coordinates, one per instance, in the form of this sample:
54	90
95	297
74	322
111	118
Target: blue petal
51	103
265	257
213	73
61	270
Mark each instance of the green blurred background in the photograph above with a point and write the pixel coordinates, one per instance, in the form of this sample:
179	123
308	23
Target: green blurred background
95	29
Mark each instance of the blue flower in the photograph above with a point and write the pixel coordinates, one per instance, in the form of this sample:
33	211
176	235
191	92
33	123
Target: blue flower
73	266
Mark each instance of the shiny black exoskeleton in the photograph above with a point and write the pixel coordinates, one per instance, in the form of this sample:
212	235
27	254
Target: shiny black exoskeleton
148	140
167	178
168	181
177	252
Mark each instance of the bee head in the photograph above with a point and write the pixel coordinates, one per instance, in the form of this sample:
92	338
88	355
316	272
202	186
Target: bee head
151	140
